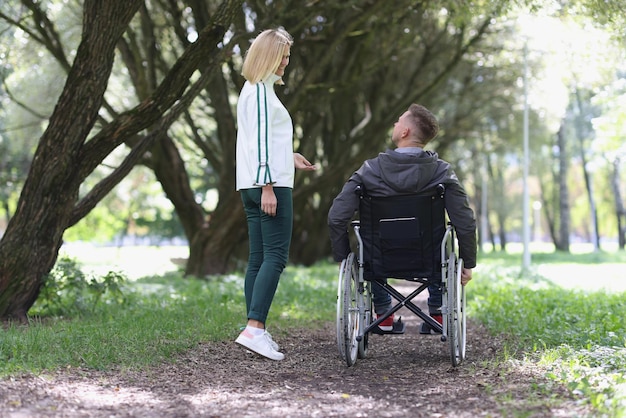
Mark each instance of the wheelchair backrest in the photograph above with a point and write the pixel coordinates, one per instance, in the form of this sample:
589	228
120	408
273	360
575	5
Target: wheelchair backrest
402	234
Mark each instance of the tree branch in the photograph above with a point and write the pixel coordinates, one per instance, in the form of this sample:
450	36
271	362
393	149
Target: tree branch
87	203
148	112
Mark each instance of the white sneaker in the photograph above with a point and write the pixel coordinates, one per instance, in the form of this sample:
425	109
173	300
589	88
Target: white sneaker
260	344
272	342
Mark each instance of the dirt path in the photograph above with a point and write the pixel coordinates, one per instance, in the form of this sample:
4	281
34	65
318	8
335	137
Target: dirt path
403	375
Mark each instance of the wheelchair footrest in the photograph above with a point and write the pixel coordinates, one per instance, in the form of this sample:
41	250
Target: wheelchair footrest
398	328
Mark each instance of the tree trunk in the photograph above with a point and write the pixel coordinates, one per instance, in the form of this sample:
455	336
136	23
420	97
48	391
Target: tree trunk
169	169
499	203
48	203
550	221
595	233
222	240
212	249
578	123
564	207
620	211
30	245
550	204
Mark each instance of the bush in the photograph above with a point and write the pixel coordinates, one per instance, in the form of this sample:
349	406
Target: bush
67	291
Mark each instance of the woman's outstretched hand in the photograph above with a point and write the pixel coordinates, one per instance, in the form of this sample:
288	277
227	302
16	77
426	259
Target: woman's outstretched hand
302	163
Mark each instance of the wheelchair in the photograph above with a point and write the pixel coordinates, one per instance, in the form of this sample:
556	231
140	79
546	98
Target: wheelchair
401	237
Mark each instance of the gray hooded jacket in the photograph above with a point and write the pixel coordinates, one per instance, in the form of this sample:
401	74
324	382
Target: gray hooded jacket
399	172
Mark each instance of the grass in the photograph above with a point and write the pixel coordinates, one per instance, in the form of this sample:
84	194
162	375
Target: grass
159	317
577	333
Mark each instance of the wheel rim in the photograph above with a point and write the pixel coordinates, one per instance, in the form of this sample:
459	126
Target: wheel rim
457	316
351	317
366	318
453	309
341	343
348	318
461	314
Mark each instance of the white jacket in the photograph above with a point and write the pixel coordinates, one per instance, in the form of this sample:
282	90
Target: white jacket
264	138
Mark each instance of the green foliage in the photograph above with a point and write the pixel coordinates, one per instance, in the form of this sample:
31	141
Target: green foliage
138	210
472	83
68	292
101	219
597	373
546	316
580	336
307	295
168	315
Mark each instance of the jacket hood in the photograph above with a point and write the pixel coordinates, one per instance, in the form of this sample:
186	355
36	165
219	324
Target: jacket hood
412	173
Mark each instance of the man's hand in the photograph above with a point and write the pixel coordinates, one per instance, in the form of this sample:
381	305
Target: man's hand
466	276
302	163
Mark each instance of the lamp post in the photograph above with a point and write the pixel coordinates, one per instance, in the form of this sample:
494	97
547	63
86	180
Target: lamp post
526	198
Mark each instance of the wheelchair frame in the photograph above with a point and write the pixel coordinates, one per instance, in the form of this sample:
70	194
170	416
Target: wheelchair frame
355	308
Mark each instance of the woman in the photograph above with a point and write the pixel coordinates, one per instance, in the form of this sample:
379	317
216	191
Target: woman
265	176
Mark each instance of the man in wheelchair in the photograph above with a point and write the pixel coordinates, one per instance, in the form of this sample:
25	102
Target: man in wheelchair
407	170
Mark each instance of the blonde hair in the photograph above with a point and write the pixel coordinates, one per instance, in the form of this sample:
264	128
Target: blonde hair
265	54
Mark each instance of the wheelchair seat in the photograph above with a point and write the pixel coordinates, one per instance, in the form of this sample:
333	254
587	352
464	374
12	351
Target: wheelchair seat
400	237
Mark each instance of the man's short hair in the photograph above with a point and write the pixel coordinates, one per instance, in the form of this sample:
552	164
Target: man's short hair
425	122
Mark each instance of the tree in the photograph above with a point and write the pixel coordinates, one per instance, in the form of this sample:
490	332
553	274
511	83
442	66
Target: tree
66	154
332	106
355	66
610	129
562	240
620	210
342	93
353	82
583	132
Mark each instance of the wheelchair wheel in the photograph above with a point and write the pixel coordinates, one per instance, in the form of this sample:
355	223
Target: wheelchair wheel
348	318
340	303
462	319
456	322
366	317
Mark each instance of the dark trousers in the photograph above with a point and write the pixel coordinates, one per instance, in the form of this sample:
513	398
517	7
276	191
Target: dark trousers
269	237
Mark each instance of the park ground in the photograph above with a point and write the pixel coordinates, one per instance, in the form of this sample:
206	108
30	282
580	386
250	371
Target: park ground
401	376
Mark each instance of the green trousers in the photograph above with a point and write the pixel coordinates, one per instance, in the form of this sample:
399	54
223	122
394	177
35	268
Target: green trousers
269	238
